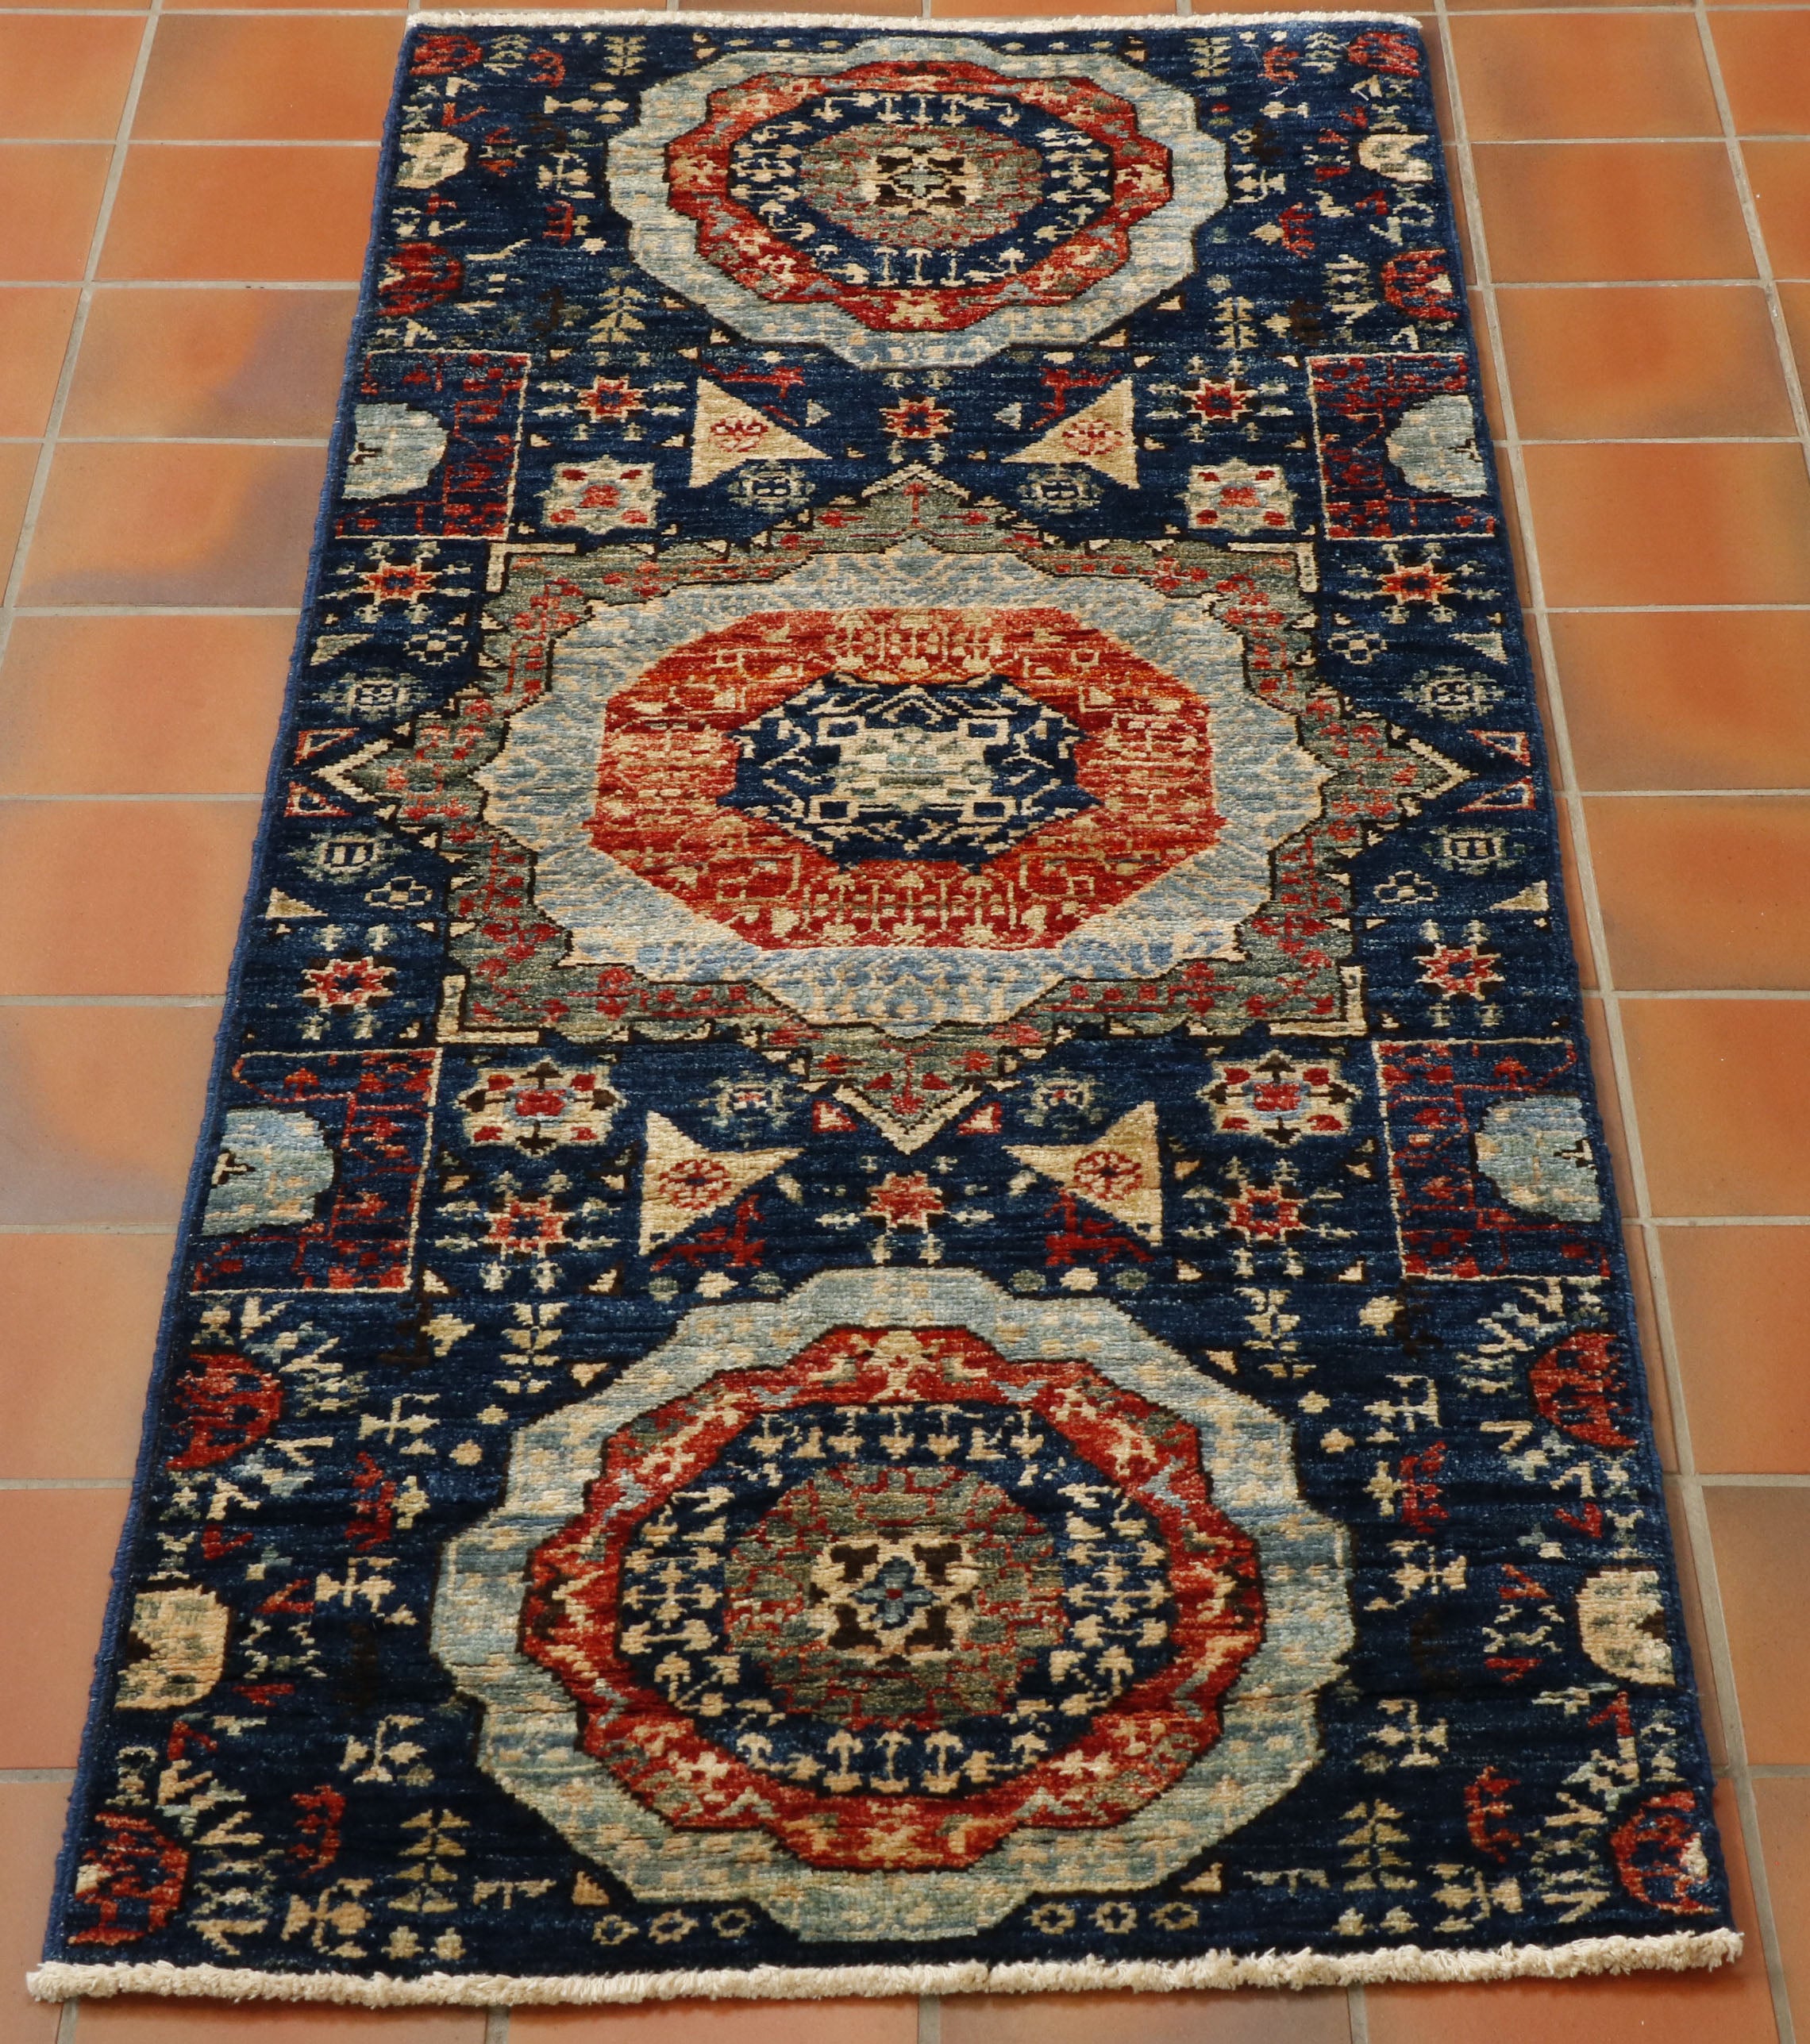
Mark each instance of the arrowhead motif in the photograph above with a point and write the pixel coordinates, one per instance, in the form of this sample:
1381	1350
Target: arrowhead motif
1100	435
1118	1172
682	1181
726	432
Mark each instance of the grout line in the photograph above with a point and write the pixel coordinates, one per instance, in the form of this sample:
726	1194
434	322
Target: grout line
50	1227
10	1776
930	2006
1756	235
77	1483
1631	283
190	284
253	142
68	2016
1794	386
183	439
1650	609
111	795
1358	2015
1620	1075
157	611
73	349
1779	1480
496	2026
111	1000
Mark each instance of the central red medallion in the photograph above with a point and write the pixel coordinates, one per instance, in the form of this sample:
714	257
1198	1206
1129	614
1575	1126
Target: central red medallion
670	757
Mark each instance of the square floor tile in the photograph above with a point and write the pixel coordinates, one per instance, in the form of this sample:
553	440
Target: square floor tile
78	1323
236	363
1762	1537
1724	1115
1740	1302
176	525
162	705
1703	699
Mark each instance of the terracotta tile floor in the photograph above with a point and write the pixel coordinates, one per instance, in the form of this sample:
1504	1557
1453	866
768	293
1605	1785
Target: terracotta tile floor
182	204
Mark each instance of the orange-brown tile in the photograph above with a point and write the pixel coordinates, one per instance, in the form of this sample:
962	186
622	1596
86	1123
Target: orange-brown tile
66	77
50	199
289	212
273	78
31	1834
290	6
1570	212
1795	301
1646	1327
878	2022
57	1548
144	2019
1714	523
1780	173
1761	1536
78	1321
1607	74
1608	1097
1690	699
1740	1301
34	335
1766	66
1459	6
121	897
1581	944
1690	1595
131	706
99	1110
235	362
193	523
1702	891
1785	1839
1724	1114
1145	2018
18	464
1676	361
1732	2005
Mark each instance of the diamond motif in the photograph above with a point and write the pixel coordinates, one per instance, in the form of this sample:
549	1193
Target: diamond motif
861	770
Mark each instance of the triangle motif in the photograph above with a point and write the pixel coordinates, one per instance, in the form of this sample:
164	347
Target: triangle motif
1119	1171
1100	435
726	432
682	1182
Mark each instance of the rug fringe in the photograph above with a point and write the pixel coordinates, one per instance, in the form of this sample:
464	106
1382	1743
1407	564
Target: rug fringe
642	18
1677	1952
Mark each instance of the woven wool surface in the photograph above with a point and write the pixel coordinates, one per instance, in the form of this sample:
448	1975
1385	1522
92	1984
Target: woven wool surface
902	1275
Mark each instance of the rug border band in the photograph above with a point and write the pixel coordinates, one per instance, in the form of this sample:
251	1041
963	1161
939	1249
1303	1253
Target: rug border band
643	17
1678	1951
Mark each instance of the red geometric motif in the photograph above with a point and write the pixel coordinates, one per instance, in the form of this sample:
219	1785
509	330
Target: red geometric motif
1134	1748
667	758
1359	400
739	243
129	1884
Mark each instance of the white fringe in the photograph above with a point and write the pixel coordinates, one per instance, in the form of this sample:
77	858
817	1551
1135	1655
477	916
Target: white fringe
885	24
1677	1952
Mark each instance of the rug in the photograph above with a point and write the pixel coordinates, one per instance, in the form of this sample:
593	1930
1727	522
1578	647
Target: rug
903	1277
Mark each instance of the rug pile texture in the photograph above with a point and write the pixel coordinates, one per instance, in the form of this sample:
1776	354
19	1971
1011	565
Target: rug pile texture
902	1276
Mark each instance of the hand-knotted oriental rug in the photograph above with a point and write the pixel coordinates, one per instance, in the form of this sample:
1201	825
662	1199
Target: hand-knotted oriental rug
903	1277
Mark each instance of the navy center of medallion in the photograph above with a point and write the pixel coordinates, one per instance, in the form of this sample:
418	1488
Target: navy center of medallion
961	771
